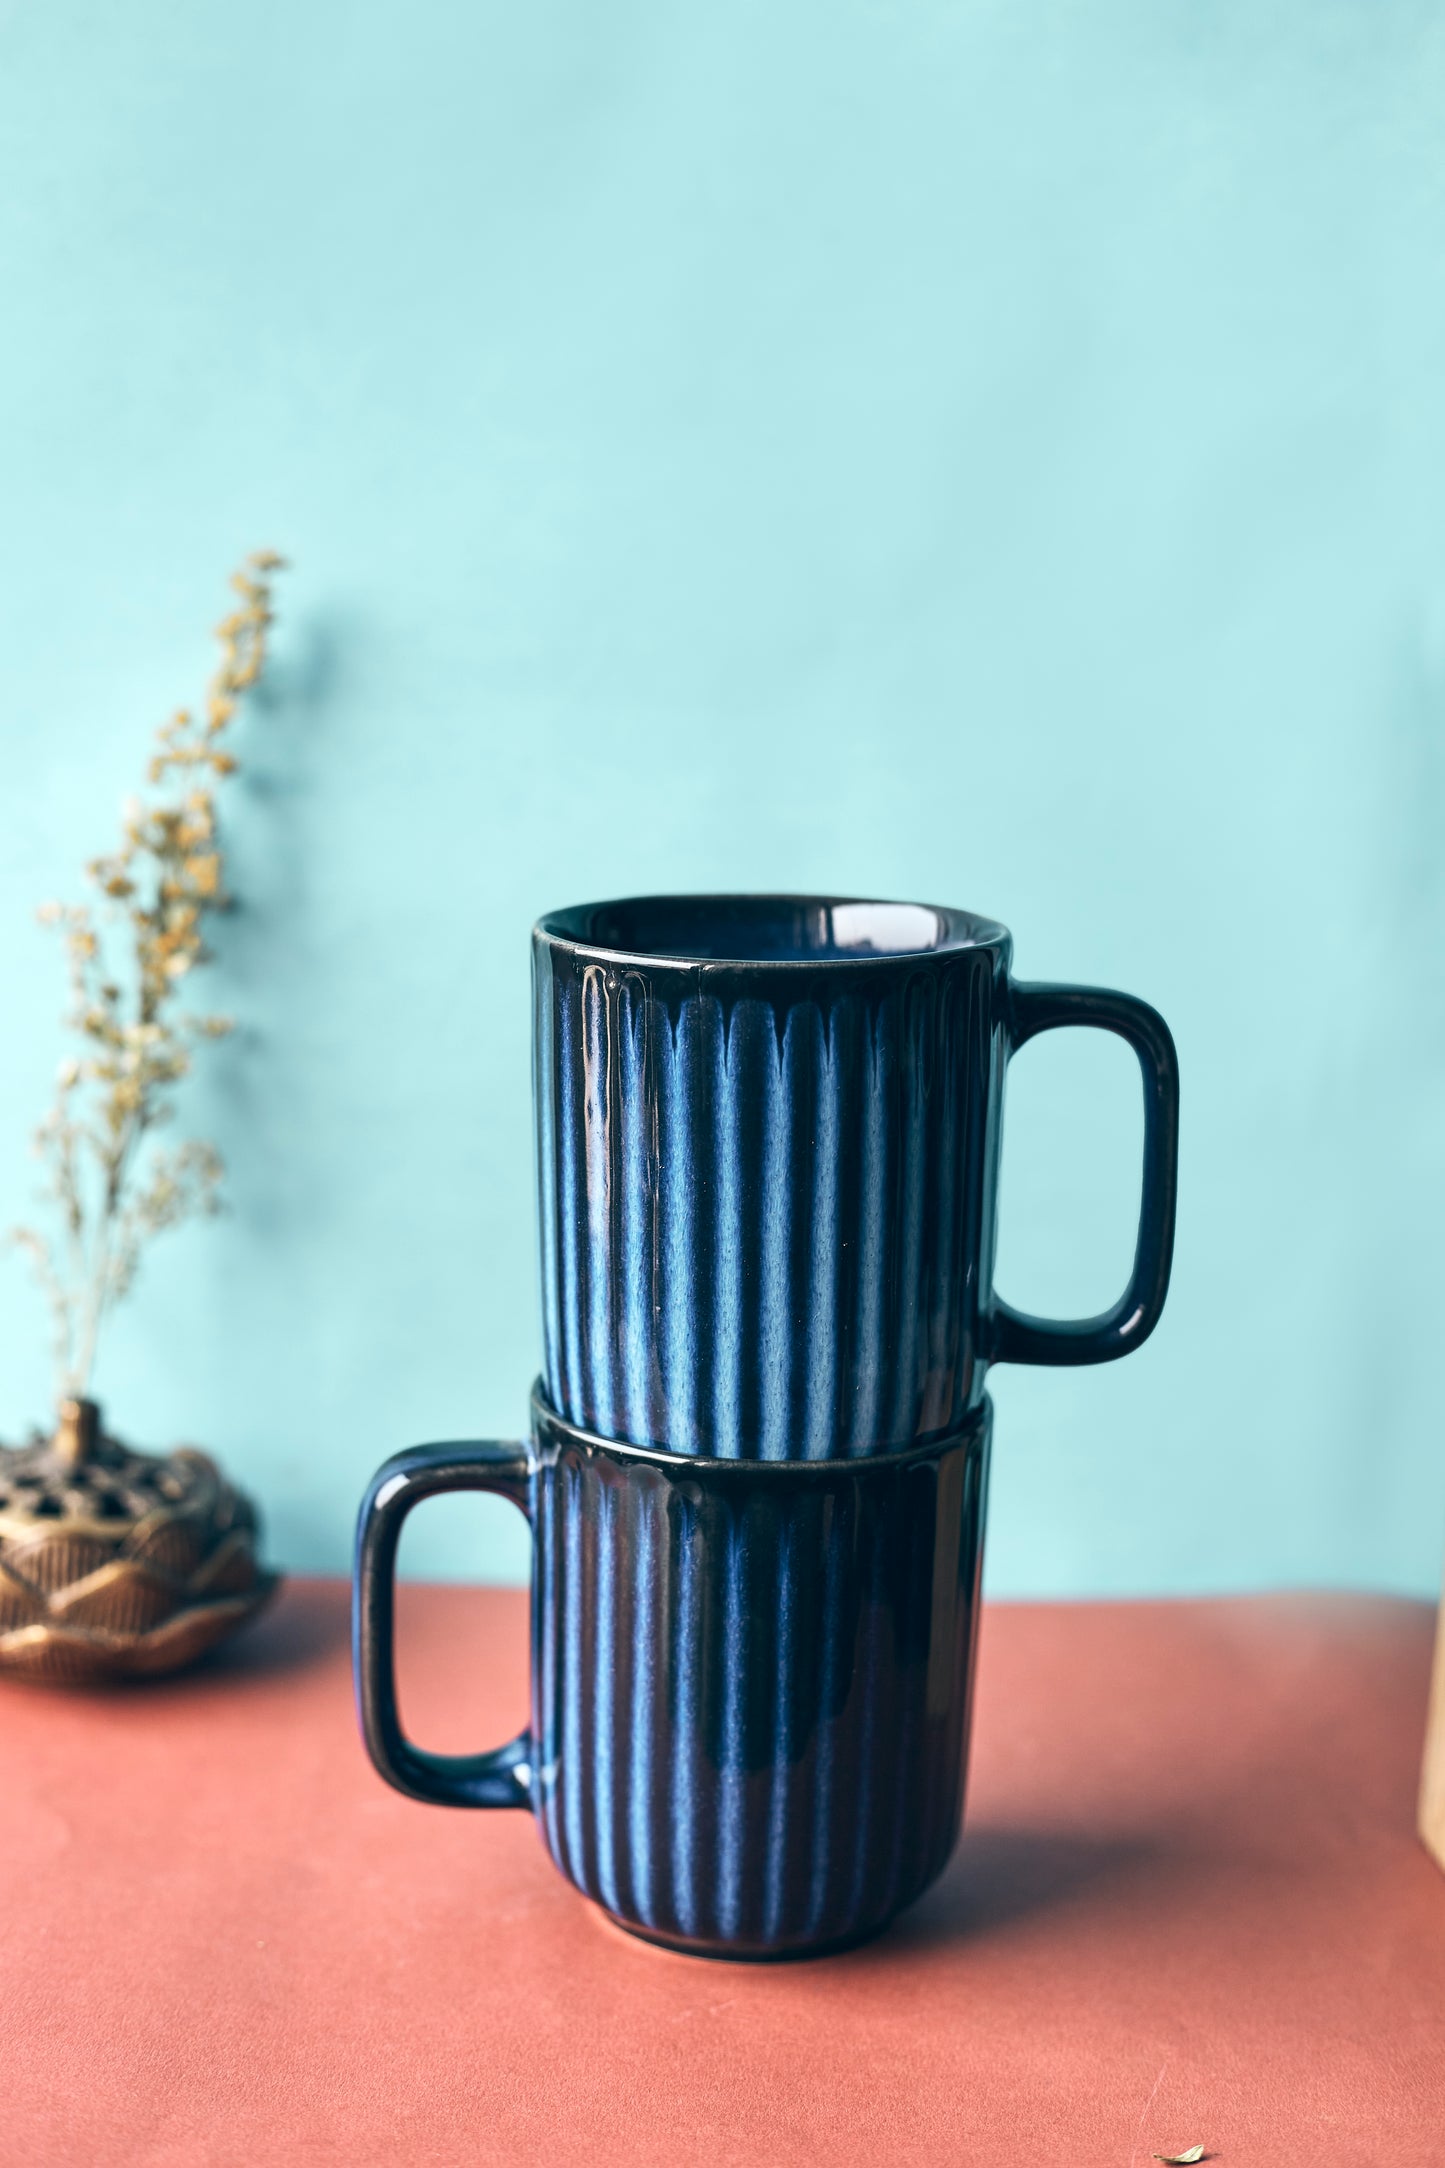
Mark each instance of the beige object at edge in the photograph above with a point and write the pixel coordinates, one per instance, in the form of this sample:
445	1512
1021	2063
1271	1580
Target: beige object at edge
1432	1776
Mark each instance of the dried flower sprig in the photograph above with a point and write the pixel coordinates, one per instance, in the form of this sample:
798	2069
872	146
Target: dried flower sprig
111	1185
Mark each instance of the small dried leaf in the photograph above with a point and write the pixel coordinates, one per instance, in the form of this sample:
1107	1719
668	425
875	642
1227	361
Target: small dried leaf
1179	2160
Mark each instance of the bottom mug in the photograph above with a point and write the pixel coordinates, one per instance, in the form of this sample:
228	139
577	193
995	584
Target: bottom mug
751	1680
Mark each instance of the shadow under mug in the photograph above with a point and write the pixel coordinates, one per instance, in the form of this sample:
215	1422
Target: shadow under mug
768	1134
751	1680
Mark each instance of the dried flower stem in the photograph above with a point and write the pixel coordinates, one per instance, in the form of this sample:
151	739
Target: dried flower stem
109	1190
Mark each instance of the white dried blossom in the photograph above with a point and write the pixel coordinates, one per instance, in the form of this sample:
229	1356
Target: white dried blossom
111	1186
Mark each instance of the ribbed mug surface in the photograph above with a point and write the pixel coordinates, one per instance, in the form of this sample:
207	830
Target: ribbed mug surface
752	1684
767	1150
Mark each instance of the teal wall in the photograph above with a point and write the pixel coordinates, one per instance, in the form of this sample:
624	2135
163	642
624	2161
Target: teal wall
988	454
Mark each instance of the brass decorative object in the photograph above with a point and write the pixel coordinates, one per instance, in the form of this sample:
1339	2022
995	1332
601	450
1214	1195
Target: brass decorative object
117	1564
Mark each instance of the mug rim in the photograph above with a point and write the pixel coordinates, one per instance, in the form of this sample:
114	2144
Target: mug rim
978	1420
569	930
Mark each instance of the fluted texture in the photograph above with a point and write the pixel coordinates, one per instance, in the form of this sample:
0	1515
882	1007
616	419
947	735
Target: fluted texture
767	1198
751	1686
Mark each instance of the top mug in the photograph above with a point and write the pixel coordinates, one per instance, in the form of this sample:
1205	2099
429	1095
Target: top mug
768	1135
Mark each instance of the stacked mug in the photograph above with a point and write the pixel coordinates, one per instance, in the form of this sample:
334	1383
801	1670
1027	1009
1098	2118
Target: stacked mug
768	1134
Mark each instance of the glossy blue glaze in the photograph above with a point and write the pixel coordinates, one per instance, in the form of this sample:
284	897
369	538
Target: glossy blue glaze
751	1682
767	1147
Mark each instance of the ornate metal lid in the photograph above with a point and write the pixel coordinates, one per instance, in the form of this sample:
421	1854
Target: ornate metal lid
95	1484
113	1560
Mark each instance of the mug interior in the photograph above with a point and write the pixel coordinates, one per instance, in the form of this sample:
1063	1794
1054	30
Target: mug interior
766	929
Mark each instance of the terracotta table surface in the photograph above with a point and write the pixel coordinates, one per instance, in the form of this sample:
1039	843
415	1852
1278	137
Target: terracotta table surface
1188	1907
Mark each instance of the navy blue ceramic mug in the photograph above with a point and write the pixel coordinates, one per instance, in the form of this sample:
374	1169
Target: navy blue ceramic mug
768	1140
768	1136
751	1680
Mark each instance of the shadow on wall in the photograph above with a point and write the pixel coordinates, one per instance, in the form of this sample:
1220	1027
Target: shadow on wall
268	966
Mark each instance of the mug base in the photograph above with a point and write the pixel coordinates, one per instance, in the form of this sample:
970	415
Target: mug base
743	1953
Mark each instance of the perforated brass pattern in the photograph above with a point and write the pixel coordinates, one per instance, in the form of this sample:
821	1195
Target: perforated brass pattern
115	1563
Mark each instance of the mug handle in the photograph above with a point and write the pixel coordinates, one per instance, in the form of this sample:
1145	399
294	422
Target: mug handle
502	1777
1021	1339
